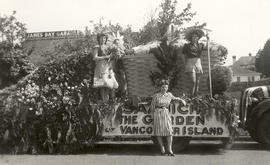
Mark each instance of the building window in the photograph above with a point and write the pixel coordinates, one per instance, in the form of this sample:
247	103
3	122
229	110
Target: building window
253	78
238	79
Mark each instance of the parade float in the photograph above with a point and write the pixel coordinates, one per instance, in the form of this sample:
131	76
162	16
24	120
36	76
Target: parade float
203	117
55	109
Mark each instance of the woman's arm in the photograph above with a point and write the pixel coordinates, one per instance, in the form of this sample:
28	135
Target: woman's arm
185	52
96	57
185	49
178	98
153	104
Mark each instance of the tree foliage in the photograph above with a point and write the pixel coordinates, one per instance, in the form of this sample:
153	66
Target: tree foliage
11	30
258	61
158	26
168	65
263	60
13	61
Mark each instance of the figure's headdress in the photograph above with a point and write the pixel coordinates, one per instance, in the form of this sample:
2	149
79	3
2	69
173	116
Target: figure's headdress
193	30
118	36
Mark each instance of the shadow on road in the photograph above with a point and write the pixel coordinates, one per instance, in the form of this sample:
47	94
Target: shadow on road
126	149
193	149
249	146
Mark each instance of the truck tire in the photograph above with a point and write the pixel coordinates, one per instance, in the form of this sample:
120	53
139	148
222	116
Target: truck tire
180	143
263	131
253	135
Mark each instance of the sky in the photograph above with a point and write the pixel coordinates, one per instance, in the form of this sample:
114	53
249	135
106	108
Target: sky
242	26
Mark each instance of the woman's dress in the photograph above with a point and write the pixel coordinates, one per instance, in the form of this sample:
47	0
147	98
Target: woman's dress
162	118
104	74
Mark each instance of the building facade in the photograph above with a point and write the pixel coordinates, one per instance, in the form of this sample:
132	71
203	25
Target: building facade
244	69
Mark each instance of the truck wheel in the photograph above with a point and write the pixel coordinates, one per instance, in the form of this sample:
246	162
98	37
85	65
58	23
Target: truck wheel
180	143
264	130
253	135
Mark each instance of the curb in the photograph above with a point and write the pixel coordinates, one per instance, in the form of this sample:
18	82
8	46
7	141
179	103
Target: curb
244	138
193	141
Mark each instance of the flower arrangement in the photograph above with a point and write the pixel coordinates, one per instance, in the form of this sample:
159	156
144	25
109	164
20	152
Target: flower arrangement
222	107
49	111
221	79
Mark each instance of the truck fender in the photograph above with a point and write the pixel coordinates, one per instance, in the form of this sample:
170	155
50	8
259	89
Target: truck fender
254	118
261	108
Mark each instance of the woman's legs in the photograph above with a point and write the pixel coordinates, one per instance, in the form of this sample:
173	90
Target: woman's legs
197	83
112	94
192	79
104	92
160	142
169	142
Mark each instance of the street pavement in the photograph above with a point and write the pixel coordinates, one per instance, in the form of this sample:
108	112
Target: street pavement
198	153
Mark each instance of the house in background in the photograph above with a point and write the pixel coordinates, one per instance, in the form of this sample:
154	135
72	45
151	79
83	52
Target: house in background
244	69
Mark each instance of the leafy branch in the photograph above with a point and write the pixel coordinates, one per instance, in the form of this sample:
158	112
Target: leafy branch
166	56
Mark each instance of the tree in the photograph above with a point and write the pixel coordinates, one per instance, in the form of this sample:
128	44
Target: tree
13	62
150	32
263	60
11	30
168	15
158	27
258	61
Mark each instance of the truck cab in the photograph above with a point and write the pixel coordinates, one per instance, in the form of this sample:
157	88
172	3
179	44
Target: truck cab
254	113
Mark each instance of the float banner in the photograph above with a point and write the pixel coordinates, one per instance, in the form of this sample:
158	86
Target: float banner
139	122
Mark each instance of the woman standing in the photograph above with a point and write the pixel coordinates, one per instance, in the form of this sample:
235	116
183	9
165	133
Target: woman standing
193	51
162	119
104	76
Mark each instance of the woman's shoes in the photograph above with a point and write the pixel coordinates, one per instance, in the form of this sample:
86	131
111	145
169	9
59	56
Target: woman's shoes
171	154
168	154
163	153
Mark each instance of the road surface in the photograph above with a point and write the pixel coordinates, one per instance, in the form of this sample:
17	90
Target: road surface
198	153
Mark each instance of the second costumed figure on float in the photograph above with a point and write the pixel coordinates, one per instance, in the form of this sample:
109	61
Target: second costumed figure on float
193	51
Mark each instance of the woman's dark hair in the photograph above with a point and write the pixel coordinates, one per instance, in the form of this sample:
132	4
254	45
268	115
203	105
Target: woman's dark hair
101	35
196	33
164	82
192	31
